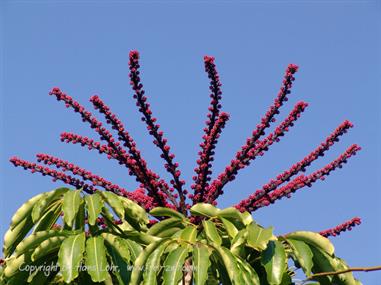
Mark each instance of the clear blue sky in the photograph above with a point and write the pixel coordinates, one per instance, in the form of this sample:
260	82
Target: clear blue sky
82	47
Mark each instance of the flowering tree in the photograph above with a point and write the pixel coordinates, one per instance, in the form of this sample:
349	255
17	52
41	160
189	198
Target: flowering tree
188	240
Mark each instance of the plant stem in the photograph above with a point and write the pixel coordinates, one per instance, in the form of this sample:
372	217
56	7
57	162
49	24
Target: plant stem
364	269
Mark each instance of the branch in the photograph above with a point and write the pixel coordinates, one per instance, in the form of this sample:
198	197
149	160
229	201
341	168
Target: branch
363	269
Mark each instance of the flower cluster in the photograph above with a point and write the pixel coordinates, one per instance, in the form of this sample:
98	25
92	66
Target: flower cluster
348	225
154	128
298	183
214	125
117	144
297	167
89	143
206	157
251	152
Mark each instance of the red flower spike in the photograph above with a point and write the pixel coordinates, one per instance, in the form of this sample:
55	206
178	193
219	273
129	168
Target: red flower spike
214	123
140	198
150	180
250	152
153	127
90	143
299	166
300	182
348	225
206	157
159	197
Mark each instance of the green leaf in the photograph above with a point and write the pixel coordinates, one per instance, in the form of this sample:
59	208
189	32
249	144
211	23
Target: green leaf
230	228
274	261
70	206
251	275
118	250
34	240
230	263
25	210
15	235
173	265
230	213
70	256
238	243
164	225
313	239
204	210
211	232
166	212
135	249
134	214
189	234
114	202
201	263
326	263
303	254
141	260
247	218
80	218
153	265
96	262
48	246
50	217
45	201
94	204
259	237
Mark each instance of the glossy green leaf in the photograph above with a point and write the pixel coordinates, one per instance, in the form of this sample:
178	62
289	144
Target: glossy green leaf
230	228
164	225
141	260
239	242
134	214
201	263
189	234
247	218
251	275
49	218
70	256
204	210
153	265
174	264
303	254
48	246
70	206
115	203
166	212
25	210
34	240
94	204
46	200
211	232
118	250
259	237
323	262
96	262
230	263
15	235
274	260
230	213
313	239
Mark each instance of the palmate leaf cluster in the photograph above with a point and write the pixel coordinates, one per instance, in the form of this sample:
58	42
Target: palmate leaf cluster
103	238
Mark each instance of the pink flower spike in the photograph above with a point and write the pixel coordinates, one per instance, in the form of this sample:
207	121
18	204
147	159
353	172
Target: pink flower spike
152	126
301	165
206	157
347	225
249	152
